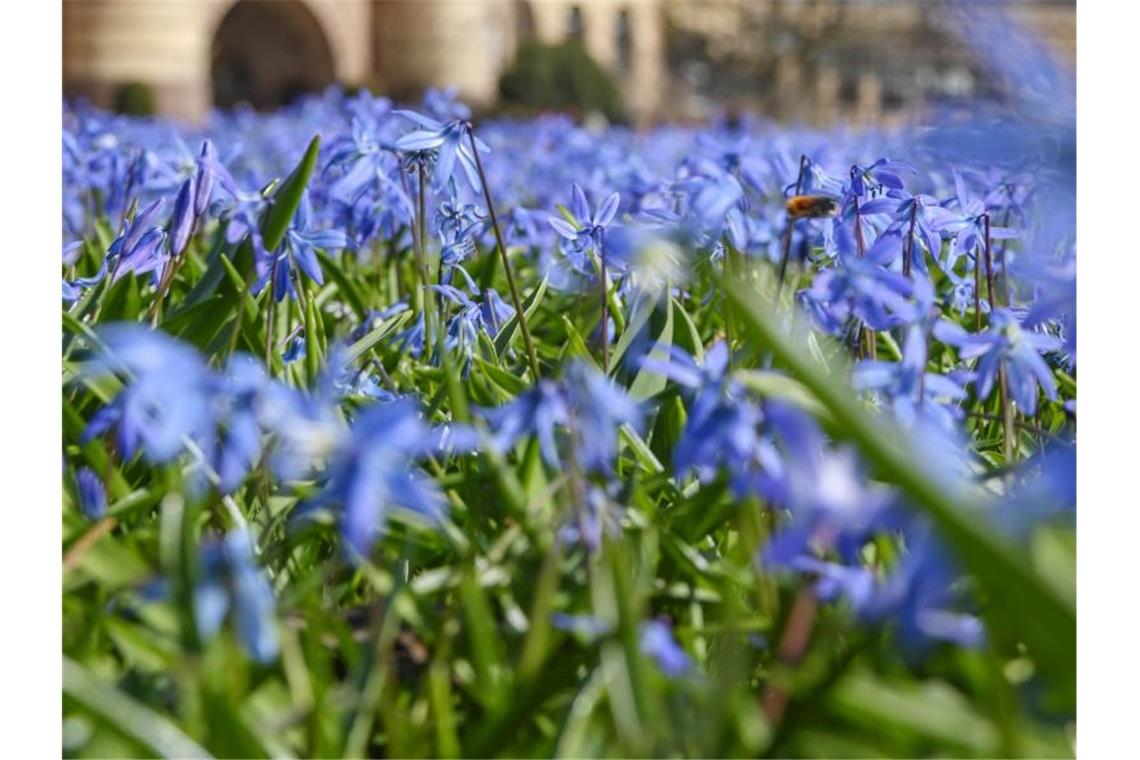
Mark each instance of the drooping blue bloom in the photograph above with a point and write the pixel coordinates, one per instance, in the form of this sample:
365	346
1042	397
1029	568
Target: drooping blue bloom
590	229
723	431
231	584
538	411
1005	343
208	169
295	350
373	471
909	387
166	397
298	254
239	403
449	141
967	225
585	401
600	409
138	248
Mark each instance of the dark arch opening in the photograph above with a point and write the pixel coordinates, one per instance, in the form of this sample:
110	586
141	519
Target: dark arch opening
267	53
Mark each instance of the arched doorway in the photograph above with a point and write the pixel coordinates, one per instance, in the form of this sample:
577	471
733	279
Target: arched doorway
268	52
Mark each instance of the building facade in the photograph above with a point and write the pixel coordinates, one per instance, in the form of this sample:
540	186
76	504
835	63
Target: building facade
859	62
193	54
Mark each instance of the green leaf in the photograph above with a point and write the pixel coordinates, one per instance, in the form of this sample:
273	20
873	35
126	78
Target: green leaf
576	344
530	306
648	383
688	336
931	709
377	334
642	310
777	385
288	196
126	715
344	284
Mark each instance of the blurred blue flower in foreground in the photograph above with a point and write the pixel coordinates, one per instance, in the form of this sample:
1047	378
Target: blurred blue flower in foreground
909	387
165	398
658	643
231	583
373	471
92	495
585	401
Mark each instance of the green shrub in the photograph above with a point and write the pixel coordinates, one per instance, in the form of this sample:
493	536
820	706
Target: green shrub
560	77
135	99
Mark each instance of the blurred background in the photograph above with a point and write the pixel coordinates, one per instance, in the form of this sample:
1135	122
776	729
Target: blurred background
818	62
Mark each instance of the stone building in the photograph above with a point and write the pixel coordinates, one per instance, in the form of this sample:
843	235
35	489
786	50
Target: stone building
819	61
196	53
858	62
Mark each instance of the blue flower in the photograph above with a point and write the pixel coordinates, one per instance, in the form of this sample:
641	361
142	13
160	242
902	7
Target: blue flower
372	471
536	412
298	253
138	248
182	220
166	398
910	388
712	193
722	433
447	142
658	643
600	408
590	229
860	288
1006	344
92	495
967	225
585	400
231	583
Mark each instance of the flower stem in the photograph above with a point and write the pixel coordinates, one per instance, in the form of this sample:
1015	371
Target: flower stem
420	244
788	230
867	333
532	356
1003	394
977	292
605	336
908	254
271	316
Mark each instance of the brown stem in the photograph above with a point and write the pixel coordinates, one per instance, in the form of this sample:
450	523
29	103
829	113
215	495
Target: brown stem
793	644
532	356
977	292
605	336
80	548
788	230
989	267
270	323
908	253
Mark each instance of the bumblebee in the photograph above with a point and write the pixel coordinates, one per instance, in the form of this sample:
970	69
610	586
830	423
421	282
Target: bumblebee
812	206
